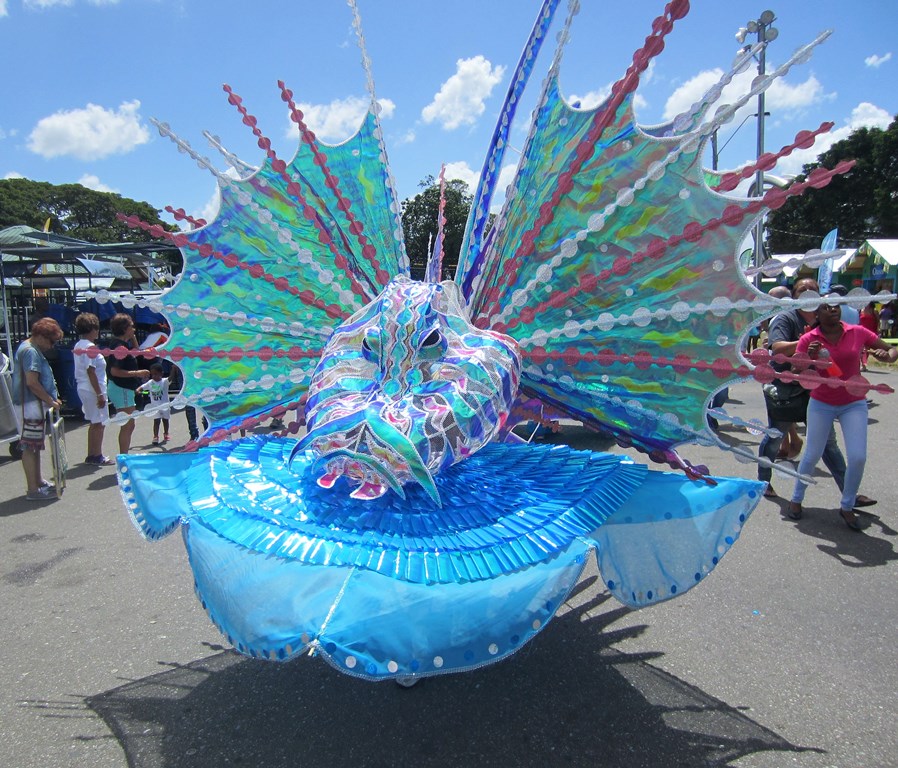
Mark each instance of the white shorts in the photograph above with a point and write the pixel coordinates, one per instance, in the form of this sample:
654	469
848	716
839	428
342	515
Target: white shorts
92	412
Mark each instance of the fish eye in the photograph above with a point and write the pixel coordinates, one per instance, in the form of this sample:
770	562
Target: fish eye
371	347
433	338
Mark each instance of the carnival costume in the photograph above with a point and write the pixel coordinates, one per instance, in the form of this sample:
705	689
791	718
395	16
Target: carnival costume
407	534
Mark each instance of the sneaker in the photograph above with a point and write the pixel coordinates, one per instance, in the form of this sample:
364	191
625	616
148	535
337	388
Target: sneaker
52	488
156	441
100	461
166	439
44	493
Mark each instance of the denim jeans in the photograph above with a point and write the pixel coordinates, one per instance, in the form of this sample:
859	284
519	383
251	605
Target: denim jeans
852	419
832	456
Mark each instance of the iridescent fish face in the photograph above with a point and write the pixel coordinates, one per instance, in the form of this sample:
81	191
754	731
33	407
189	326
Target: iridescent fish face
406	387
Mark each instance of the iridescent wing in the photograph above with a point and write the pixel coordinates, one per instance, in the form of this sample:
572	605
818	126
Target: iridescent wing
613	264
294	249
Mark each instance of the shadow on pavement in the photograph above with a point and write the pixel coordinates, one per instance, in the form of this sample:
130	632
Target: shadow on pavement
579	438
567	698
856	549
107	480
20	505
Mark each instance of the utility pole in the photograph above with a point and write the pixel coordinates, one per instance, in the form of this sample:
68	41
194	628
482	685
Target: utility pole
766	33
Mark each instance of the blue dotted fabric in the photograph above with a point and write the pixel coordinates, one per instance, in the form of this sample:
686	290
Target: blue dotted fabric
395	587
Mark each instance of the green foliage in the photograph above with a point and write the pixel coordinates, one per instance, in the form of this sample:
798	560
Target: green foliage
863	203
73	210
419	223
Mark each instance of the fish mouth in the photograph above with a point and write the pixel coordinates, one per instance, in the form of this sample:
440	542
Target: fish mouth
369	451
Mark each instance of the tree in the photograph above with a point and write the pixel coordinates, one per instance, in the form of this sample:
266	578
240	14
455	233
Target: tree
419	223
73	210
863	203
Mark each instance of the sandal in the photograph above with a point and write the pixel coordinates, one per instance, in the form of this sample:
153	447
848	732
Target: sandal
863	501
794	511
851	519
769	493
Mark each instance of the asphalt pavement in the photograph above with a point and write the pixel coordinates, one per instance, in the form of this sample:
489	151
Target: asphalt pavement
784	656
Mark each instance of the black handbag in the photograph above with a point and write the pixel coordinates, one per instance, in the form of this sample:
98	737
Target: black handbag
786	401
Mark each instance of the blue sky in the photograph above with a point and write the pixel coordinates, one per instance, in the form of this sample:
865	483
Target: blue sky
83	77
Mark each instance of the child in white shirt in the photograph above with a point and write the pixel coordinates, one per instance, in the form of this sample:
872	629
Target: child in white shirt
157	388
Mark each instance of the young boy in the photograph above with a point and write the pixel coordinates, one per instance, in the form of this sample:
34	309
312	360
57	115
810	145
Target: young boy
157	388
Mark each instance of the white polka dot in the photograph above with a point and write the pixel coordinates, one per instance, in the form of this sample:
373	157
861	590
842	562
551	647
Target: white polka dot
392	666
350	662
493	649
536	624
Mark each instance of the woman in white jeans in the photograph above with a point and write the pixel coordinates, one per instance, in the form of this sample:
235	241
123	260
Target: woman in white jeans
843	344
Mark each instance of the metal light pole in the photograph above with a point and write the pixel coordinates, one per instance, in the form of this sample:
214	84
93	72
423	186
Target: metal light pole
766	33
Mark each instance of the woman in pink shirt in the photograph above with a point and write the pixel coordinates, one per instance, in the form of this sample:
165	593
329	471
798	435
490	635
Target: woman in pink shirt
842	344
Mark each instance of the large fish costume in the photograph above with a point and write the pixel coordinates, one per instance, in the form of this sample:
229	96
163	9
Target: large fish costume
406	534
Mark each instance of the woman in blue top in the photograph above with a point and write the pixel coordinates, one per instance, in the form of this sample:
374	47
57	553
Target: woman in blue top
35	390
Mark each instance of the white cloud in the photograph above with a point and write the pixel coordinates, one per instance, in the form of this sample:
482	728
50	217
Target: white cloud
91	181
4	11
91	133
786	99
460	100
877	61
592	99
41	4
864	115
208	212
407	138
340	119
506	176
14	175
690	92
461	170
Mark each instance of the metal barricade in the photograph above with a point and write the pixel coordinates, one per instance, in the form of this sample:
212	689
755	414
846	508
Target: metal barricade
10	414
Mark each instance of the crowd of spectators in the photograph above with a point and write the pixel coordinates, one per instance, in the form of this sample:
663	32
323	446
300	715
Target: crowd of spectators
841	333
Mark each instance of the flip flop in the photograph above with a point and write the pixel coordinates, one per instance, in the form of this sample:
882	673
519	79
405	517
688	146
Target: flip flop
863	501
769	493
794	511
